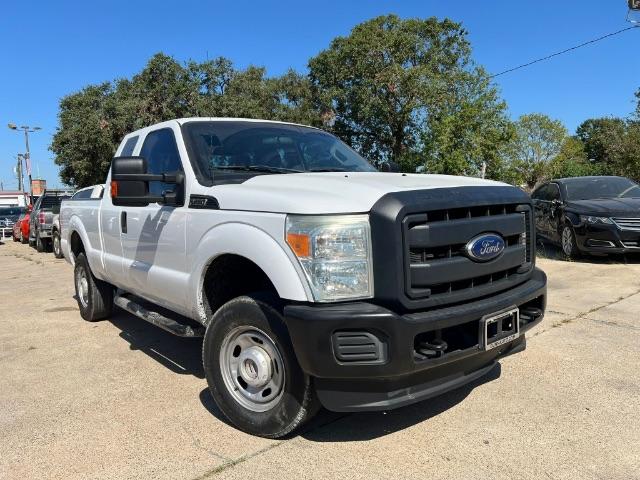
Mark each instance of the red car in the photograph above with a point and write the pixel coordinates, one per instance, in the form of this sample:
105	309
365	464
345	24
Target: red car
21	227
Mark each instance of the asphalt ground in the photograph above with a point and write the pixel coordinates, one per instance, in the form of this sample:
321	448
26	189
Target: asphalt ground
123	399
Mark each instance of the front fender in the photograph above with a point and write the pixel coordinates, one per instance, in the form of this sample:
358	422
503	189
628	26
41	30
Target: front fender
572	217
255	245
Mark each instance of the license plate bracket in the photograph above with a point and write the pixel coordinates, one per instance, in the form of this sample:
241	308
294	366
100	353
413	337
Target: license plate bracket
499	328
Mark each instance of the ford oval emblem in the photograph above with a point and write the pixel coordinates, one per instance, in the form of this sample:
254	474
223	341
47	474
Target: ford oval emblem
485	247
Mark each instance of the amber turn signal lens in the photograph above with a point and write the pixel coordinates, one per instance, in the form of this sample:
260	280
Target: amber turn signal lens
300	244
114	189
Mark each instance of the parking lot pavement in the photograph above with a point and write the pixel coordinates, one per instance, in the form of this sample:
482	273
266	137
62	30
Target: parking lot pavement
122	399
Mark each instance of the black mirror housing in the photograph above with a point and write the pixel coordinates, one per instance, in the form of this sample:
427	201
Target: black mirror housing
126	191
130	184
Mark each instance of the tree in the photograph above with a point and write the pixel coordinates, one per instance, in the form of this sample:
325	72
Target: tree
83	143
93	121
613	144
603	140
538	139
471	130
571	161
407	91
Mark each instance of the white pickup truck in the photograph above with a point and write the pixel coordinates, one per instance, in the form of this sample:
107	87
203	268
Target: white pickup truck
313	278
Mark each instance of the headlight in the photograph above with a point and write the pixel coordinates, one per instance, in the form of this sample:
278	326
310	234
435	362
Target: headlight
335	254
592	219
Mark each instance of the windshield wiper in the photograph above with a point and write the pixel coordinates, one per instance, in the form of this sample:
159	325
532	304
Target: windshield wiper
257	168
326	170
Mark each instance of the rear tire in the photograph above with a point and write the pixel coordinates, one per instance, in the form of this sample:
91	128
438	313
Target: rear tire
252	371
95	297
22	239
57	248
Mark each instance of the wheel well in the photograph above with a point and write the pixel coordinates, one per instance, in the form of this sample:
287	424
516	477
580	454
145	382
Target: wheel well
77	247
229	276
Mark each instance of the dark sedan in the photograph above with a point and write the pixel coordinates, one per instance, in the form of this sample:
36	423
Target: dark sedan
9	216
589	214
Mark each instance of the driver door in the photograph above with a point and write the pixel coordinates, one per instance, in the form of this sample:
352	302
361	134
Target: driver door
540	209
554	215
153	237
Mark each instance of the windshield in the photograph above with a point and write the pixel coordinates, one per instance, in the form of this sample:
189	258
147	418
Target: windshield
601	187
267	148
11	211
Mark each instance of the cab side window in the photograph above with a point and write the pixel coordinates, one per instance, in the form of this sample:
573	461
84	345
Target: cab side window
161	152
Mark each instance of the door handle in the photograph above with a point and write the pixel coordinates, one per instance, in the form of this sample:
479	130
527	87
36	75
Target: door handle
123	222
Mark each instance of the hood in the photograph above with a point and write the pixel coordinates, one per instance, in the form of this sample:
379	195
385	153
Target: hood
607	207
332	192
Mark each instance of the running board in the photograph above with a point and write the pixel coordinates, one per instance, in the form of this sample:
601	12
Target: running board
138	307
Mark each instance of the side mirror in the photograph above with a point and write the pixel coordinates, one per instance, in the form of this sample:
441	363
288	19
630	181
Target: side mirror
130	183
390	167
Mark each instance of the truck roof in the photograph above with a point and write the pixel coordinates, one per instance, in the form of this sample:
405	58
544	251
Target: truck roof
182	121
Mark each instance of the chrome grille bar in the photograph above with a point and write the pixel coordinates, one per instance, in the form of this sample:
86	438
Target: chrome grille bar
626	223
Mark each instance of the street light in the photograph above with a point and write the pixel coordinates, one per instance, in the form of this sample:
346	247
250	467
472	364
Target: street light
27	156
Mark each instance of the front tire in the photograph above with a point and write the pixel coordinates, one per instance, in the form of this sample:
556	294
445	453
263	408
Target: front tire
569	245
95	297
57	248
252	371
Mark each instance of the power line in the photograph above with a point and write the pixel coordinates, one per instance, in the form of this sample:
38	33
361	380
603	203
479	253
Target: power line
595	40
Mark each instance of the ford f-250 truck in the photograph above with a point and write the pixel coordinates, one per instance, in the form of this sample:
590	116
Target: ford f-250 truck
313	278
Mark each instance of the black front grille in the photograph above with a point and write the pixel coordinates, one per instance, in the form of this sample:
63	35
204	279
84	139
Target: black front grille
419	237
436	265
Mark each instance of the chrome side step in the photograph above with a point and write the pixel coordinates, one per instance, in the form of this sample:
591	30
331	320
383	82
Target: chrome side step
141	309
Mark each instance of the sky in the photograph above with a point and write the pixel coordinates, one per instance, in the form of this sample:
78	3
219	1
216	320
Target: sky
51	49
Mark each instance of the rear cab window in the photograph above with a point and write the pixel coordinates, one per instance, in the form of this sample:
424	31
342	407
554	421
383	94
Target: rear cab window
83	194
129	146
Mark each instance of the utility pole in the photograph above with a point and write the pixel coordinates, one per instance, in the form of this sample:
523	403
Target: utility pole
20	156
27	156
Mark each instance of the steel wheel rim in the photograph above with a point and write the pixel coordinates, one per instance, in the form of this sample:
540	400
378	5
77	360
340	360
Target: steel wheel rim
252	368
567	241
82	285
56	244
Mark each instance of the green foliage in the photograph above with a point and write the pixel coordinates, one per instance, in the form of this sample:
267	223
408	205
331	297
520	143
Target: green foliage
613	144
93	121
571	161
407	91
538	140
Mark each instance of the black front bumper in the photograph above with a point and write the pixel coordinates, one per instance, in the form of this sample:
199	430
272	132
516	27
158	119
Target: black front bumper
606	239
399	378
